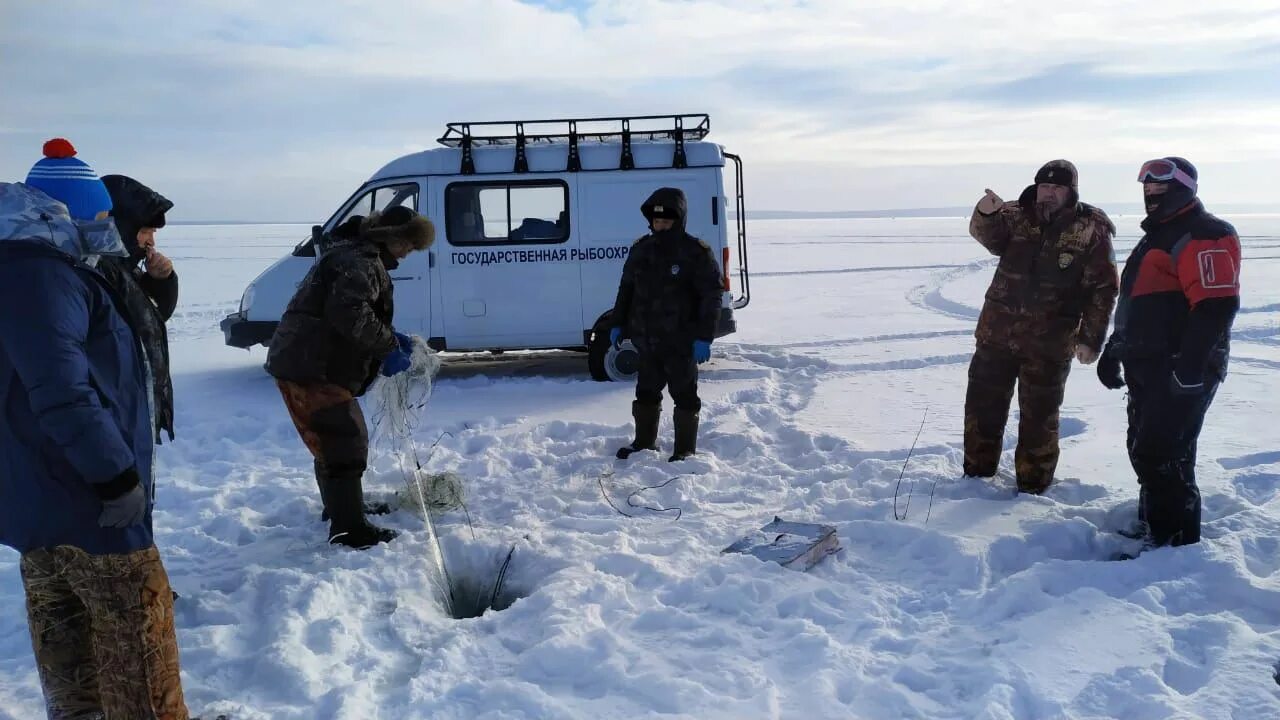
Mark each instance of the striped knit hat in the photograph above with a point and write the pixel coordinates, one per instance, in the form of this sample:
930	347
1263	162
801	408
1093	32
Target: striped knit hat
69	181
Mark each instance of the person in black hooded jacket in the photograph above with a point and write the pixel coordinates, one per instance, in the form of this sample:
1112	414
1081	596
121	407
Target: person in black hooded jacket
668	304
150	293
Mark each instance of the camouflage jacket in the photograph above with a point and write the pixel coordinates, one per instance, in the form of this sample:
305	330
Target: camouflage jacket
337	329
670	292
1055	285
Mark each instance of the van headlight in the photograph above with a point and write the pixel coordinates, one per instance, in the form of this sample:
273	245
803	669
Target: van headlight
246	300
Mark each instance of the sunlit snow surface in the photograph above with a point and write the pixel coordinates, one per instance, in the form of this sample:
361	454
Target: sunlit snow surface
996	607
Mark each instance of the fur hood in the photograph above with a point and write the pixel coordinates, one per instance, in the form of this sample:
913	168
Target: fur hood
380	229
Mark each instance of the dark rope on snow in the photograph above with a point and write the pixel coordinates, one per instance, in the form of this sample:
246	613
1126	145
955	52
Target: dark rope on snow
501	580
911	490
631	499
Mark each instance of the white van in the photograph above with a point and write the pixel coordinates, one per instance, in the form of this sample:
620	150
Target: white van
534	220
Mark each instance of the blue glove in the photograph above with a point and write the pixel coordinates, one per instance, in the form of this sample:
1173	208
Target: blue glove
395	363
701	351
405	342
615	337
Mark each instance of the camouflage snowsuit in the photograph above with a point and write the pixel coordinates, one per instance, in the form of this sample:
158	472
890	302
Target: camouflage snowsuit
328	349
1054	288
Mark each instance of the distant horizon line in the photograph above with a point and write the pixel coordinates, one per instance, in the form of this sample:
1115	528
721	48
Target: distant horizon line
951	211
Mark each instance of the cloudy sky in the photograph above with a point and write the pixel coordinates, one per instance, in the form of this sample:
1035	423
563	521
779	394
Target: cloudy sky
247	110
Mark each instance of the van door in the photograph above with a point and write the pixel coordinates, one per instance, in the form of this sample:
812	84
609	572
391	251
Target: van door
508	267
411	281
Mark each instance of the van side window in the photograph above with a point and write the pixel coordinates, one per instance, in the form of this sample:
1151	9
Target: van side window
507	213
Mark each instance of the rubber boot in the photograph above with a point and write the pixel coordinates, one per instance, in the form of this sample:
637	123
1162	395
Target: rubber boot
375	507
322	482
371	507
646	417
686	431
348	525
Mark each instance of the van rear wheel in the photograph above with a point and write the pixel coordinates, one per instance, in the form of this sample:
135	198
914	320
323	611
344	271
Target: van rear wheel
606	363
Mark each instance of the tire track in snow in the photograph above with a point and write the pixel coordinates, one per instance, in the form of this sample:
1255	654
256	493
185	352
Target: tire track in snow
1247	461
863	340
846	271
929	295
1274	307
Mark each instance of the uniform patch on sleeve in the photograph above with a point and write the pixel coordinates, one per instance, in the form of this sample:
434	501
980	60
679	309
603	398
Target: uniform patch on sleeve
1217	269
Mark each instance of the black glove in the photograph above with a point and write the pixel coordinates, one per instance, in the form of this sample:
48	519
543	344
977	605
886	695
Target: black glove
124	501
1109	369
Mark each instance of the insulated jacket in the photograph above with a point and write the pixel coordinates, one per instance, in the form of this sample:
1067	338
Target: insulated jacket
149	301
337	329
671	289
1180	294
73	384
1055	284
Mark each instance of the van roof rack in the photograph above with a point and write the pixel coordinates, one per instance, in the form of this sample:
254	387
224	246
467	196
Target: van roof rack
677	128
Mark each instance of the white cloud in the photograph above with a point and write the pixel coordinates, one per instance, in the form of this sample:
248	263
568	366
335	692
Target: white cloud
295	103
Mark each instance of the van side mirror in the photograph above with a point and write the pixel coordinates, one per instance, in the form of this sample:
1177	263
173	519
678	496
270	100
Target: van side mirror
309	247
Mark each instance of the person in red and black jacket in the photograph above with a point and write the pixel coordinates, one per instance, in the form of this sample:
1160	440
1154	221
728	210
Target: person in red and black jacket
1179	295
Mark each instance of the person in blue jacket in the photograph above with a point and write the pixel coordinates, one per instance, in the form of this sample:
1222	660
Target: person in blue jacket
76	449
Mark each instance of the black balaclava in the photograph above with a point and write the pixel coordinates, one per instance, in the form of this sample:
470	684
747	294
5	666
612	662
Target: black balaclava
1178	196
669	203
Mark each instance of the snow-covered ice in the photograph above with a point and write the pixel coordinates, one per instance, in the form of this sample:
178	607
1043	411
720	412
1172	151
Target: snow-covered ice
979	604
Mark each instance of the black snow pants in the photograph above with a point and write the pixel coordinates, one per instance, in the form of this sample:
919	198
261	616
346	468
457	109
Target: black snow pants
1164	428
662	366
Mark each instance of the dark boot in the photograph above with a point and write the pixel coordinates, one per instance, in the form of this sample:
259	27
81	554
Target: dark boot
1033	487
646	417
686	432
371	507
348	525
322	482
376	507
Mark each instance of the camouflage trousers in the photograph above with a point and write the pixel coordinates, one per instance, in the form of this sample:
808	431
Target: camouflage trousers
103	635
331	425
1041	383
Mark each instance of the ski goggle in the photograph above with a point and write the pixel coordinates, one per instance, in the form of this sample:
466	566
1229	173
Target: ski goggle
1163	171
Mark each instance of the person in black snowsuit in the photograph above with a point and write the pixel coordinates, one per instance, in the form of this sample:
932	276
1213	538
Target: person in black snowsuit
150	294
1179	295
334	339
668	304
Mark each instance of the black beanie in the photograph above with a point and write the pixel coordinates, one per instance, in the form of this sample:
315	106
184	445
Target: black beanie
1185	166
1178	196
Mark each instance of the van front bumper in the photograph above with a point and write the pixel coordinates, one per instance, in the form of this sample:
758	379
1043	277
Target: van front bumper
239	331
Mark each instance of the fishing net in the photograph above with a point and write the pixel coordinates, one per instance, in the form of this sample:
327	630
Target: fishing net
399	400
398	404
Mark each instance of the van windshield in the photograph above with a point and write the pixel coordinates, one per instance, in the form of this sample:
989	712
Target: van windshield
378	199
382	199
